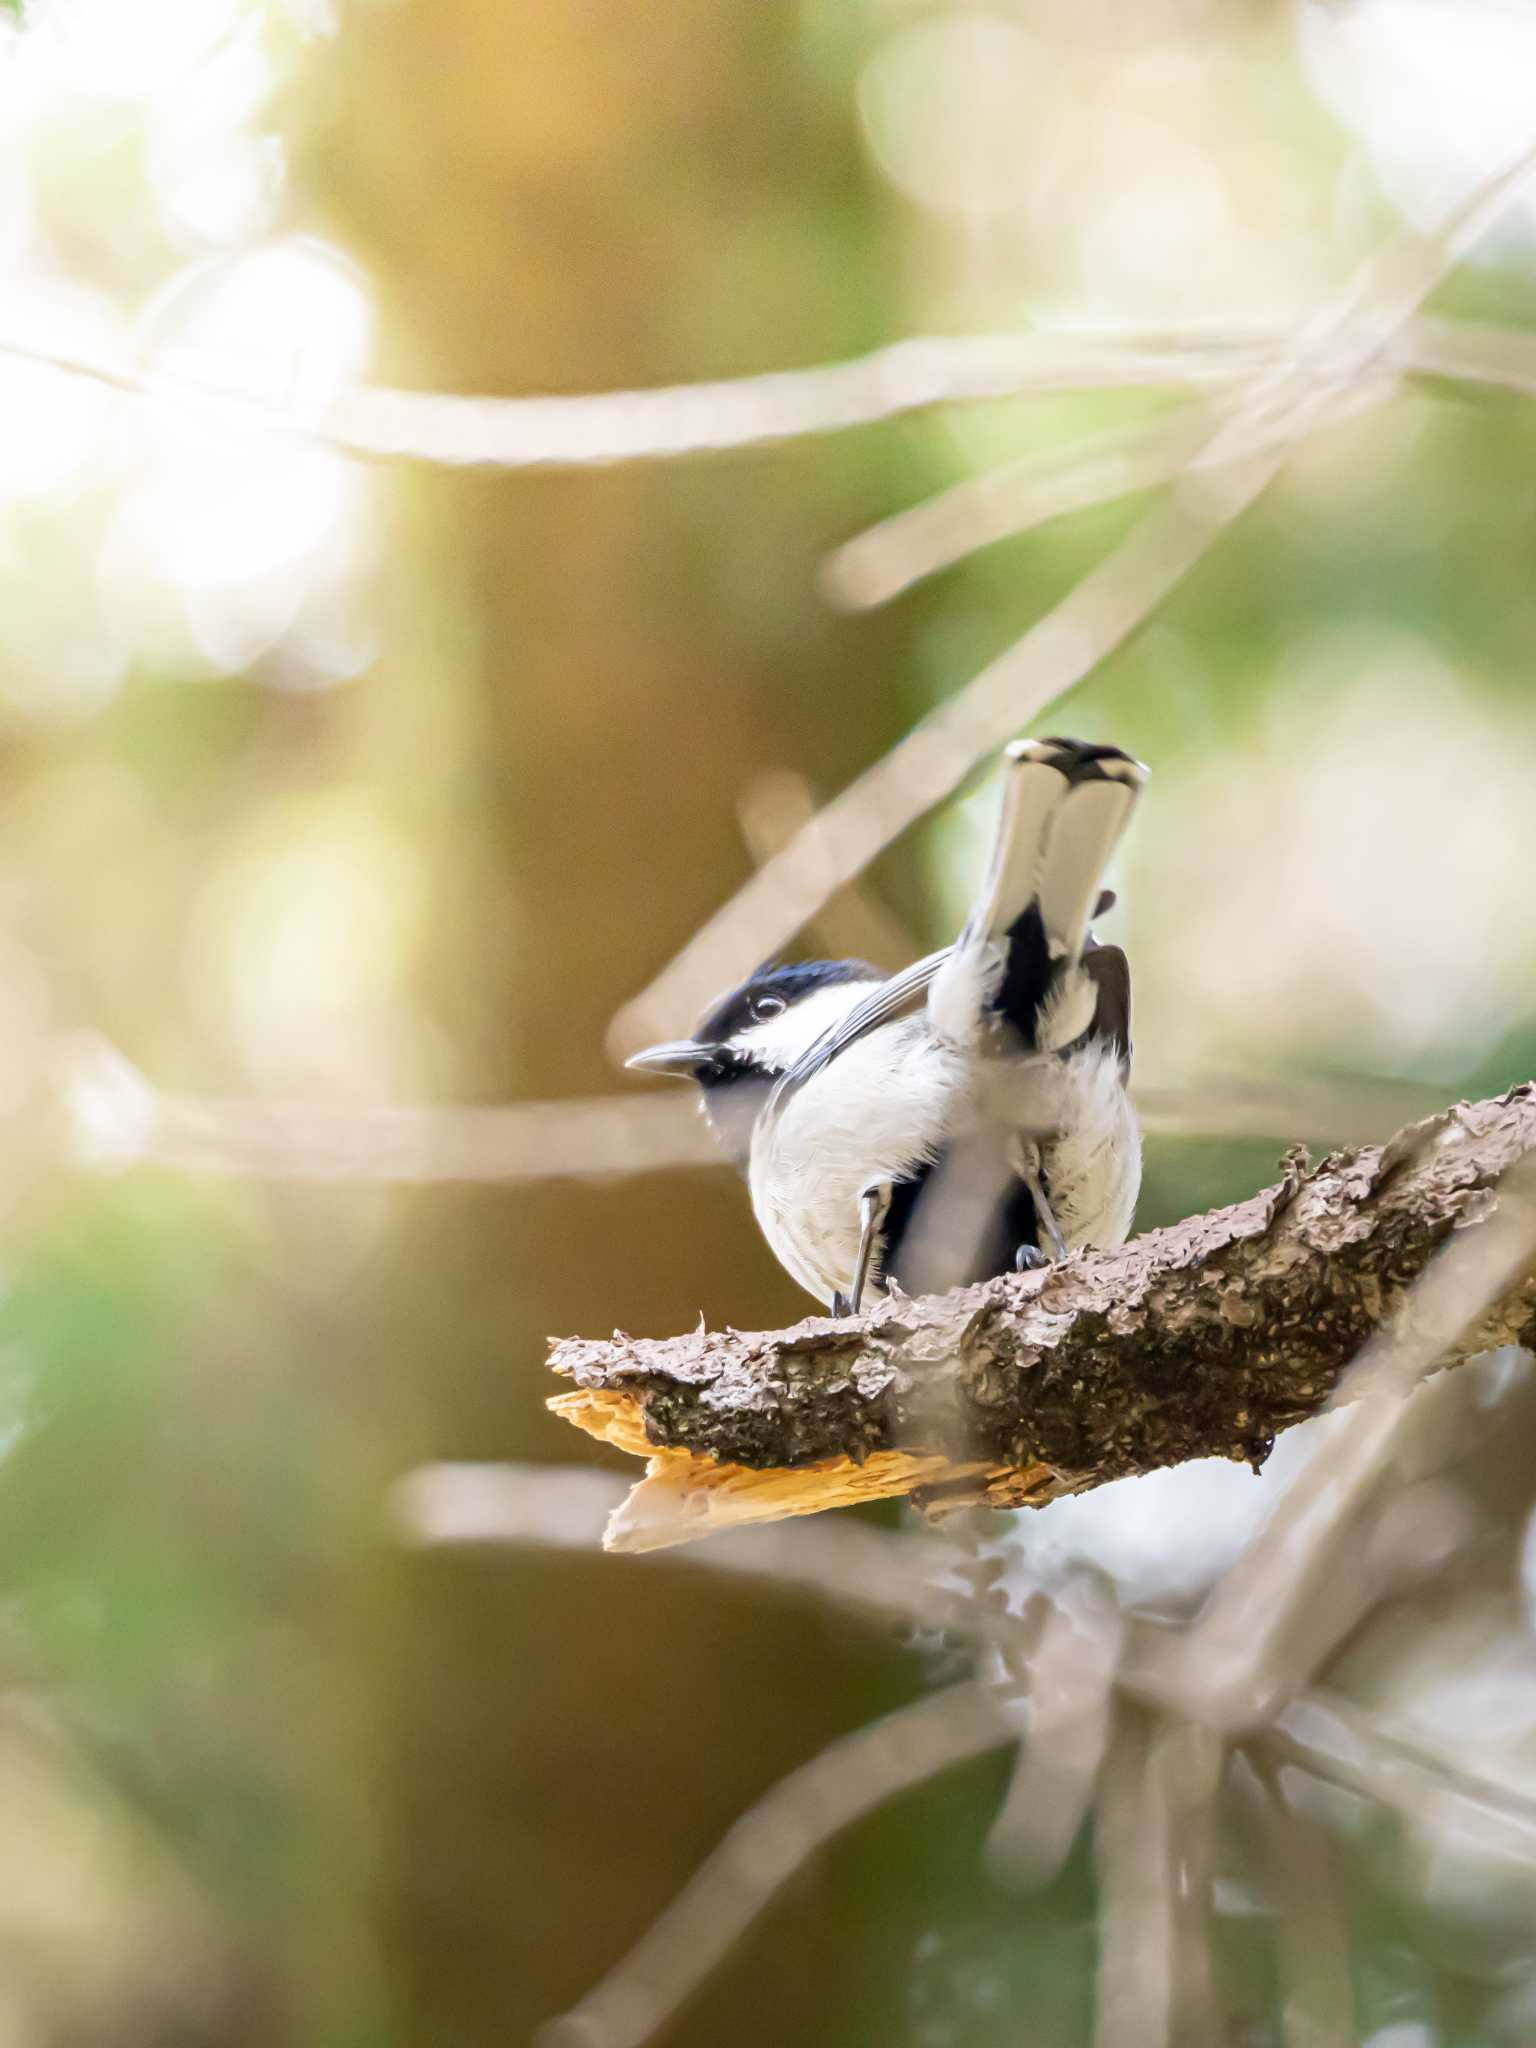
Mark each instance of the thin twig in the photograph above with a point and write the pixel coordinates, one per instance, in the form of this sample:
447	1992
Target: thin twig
1319	2006
595	428
1072	1673
1009	500
777	1837
113	1117
1471	352
1017	497
1377	1758
1154	1987
1326	1110
854	924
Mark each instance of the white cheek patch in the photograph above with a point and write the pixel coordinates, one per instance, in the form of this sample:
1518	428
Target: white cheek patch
778	1042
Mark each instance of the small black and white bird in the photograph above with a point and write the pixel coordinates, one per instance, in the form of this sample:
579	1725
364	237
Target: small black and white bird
969	1116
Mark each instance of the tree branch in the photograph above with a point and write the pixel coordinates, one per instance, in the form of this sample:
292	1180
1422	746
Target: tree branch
1202	1340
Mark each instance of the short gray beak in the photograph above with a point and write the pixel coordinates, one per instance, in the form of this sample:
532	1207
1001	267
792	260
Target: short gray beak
681	1056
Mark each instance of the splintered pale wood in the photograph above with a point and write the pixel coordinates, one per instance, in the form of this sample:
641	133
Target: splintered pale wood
1202	1340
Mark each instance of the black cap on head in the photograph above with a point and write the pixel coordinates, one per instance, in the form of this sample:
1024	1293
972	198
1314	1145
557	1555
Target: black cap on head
774	988
709	1056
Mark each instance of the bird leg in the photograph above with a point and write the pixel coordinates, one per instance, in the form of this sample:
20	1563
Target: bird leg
1045	1215
873	1204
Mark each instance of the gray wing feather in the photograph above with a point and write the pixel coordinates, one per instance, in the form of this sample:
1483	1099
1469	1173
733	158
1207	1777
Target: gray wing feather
1110	972
892	998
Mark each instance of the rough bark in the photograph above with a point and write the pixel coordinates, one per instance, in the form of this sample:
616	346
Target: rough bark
1202	1340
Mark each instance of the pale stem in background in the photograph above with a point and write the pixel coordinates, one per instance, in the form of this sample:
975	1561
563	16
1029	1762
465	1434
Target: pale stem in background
456	430
848	1779
695	419
1366	1753
1073	1671
1312	1933
855	923
1018	496
1151	1826
887	1579
609	1137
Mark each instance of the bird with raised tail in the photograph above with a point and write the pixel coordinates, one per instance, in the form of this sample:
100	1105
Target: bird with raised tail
969	1116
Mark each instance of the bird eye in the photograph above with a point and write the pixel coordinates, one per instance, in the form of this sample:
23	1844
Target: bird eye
765	1007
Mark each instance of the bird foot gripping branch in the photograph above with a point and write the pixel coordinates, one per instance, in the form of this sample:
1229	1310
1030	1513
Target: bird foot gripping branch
1202	1340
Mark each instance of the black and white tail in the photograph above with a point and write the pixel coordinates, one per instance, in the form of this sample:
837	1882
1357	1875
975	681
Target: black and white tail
1065	806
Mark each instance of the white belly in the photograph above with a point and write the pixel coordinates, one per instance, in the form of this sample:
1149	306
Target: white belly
859	1122
892	1101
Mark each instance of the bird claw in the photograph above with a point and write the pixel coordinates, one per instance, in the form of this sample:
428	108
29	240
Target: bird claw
841	1305
1029	1259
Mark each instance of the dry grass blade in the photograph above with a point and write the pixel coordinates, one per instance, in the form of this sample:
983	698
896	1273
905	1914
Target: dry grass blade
606	1137
554	1507
598	1138
1133	1996
849	1779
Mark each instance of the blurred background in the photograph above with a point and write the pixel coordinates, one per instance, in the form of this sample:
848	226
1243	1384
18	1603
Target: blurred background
332	791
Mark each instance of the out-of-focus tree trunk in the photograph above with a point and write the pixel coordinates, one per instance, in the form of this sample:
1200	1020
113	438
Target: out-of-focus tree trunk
580	673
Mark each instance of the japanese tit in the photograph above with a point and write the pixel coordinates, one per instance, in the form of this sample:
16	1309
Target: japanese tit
969	1116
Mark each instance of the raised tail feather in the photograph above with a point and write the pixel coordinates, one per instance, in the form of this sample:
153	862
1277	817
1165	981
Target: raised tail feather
1065	805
